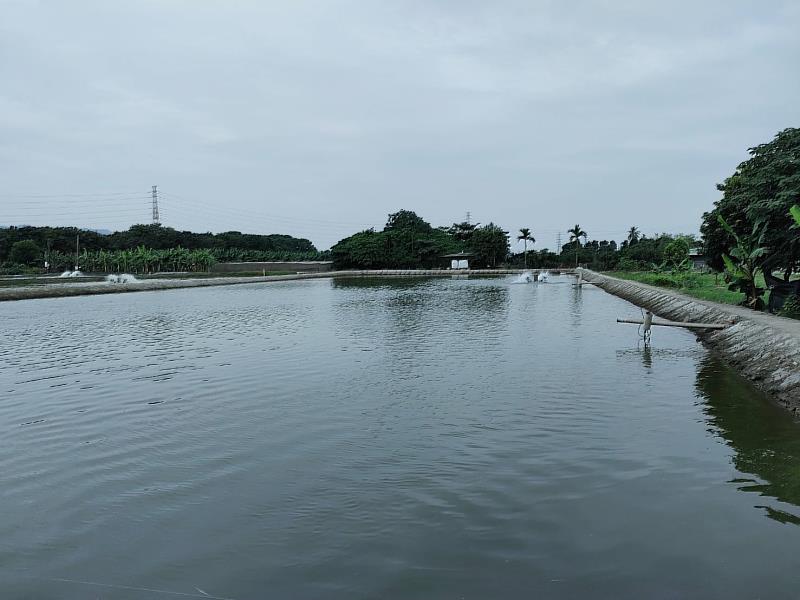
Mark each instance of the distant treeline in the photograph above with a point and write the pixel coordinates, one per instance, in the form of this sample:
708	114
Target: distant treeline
408	241
31	246
637	253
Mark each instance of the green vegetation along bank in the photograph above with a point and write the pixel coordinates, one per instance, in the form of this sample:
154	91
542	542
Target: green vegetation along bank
704	286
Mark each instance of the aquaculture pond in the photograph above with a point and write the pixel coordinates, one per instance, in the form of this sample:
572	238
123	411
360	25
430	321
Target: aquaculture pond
383	438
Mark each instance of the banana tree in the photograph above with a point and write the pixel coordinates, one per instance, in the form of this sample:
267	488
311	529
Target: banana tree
744	263
202	259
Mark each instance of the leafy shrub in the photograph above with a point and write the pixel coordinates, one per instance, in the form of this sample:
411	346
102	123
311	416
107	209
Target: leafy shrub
676	253
9	268
627	264
791	308
665	281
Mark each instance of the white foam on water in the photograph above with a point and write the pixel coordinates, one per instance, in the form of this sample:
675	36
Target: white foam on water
526	277
544	276
71	274
122	278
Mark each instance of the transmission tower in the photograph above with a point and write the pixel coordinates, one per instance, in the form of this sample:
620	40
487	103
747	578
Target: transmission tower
469	215
156	219
558	243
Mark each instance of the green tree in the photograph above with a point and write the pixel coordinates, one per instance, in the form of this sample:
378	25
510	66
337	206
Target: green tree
633	235
575	235
525	236
403	233
25	252
363	250
676	253
157	237
759	193
463	232
490	244
406	220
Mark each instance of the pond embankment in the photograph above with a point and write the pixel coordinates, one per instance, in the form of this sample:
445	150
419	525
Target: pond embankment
77	288
762	347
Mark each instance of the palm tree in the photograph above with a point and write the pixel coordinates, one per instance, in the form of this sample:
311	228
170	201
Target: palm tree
575	235
633	235
525	236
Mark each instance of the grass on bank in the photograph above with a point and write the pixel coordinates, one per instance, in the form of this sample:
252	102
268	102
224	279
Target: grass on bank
704	286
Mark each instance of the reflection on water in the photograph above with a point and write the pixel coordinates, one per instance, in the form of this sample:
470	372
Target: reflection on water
647	356
387	283
765	440
575	304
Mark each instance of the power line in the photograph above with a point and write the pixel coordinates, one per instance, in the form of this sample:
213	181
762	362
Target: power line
72	195
192	203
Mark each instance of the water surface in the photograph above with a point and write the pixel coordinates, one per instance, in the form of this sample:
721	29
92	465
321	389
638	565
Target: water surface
416	438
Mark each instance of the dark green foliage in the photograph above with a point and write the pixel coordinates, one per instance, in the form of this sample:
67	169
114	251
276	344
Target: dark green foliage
676	253
364	250
760	192
145	248
405	221
597	255
537	259
665	251
156	237
490	244
791	308
462	232
25	252
407	242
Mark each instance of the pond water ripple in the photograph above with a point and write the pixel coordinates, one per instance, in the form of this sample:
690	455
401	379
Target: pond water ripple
411	438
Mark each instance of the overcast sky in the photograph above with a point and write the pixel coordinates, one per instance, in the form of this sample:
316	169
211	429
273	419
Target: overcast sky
319	118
